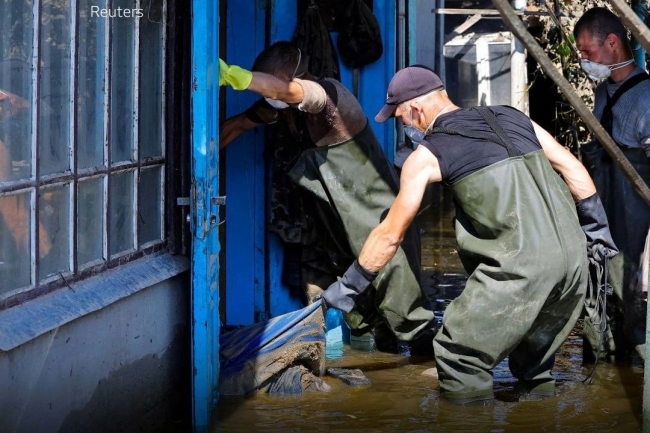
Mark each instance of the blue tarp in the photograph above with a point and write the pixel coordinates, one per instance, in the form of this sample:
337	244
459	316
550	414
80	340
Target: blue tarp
253	355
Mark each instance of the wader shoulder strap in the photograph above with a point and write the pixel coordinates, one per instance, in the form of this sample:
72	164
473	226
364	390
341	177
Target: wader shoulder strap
607	118
493	123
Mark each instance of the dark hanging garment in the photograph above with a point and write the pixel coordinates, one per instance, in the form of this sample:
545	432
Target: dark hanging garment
359	37
313	39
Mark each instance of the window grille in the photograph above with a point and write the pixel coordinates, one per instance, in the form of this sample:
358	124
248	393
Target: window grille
82	137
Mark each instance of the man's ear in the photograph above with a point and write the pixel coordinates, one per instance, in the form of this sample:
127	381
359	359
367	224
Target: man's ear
418	110
611	40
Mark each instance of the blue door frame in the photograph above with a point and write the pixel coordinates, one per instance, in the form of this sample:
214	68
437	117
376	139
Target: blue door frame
204	212
253	255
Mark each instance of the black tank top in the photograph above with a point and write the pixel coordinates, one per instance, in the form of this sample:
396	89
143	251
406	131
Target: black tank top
460	156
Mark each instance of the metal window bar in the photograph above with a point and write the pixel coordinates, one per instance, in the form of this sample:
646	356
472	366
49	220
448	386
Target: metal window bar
136	138
107	144
107	52
33	228
72	105
163	116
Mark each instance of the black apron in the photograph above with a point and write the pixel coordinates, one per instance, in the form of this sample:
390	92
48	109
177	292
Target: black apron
353	186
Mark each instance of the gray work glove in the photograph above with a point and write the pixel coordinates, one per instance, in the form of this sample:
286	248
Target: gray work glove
593	220
341	294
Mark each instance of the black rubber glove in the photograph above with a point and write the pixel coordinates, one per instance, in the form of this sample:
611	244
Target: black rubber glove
593	220
341	294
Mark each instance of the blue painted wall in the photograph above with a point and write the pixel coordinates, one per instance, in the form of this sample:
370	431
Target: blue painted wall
284	18
254	256
122	367
245	176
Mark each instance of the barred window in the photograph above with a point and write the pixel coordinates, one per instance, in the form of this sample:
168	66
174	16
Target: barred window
82	152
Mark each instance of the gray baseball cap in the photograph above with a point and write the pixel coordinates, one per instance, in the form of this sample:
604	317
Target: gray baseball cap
406	84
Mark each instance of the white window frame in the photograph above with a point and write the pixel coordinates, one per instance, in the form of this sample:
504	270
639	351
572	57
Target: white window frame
482	41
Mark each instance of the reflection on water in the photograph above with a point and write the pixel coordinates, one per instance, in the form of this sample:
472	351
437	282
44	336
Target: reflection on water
401	399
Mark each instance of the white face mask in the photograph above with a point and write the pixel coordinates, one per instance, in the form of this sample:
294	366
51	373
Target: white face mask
598	71
281	105
278	105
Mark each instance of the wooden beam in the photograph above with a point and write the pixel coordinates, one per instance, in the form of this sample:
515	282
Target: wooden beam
515	25
463	27
451	11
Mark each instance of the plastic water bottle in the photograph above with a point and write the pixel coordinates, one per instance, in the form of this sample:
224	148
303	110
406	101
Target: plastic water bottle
337	333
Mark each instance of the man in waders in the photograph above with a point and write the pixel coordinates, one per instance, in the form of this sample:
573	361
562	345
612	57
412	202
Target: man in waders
518	235
348	185
622	104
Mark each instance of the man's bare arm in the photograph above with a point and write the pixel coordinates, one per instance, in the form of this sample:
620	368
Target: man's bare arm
233	127
420	169
574	173
275	88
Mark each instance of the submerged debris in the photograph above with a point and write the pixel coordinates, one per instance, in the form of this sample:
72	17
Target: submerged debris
431	372
349	376
296	380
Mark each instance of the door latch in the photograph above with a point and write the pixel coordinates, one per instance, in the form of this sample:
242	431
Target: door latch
218	201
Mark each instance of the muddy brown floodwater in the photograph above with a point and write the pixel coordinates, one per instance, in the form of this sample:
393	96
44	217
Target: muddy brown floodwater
401	399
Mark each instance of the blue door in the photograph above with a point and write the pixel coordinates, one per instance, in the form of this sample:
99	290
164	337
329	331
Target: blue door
205	210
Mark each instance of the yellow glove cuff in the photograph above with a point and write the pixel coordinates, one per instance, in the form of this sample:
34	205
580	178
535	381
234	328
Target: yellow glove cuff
236	77
223	68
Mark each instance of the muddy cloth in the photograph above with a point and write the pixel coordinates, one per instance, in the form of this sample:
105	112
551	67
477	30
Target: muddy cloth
334	113
353	185
349	376
253	357
296	380
628	214
521	244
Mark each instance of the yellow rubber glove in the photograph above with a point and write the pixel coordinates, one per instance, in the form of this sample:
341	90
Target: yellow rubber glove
234	76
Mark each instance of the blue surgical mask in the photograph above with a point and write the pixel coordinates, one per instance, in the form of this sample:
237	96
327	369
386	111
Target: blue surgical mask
413	133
